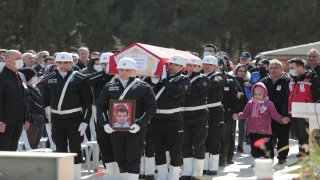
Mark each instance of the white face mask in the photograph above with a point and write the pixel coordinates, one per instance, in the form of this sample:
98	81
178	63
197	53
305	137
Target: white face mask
19	64
34	80
97	67
2	64
293	72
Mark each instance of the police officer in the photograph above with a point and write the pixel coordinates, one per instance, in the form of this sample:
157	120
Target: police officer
97	81
166	125
231	106
195	123
216	114
127	146
67	101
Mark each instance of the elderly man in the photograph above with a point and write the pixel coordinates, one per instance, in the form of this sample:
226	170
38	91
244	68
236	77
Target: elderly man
277	85
84	54
313	60
14	113
28	60
41	56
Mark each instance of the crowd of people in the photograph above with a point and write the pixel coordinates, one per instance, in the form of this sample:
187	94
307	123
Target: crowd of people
185	116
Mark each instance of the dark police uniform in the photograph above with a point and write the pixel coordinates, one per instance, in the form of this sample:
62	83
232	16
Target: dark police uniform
166	125
128	147
76	108
216	113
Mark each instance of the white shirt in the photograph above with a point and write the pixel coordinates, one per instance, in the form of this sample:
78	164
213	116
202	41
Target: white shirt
123	82
121	125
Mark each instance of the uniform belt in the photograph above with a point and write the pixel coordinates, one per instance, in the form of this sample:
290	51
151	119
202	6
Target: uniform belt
168	111
214	104
195	108
67	111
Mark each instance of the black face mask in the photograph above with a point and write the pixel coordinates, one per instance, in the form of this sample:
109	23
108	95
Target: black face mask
262	70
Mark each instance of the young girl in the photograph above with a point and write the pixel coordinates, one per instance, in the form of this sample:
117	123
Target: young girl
260	112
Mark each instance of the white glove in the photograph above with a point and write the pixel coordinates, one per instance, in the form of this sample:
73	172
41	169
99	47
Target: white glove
82	128
155	80
48	128
108	129
135	128
164	72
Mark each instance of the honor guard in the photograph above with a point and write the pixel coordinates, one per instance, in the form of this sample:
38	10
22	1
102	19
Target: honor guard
195	123
97	81
67	102
216	114
166	125
127	146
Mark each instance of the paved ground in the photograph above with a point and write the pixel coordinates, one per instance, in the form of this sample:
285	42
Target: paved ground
240	170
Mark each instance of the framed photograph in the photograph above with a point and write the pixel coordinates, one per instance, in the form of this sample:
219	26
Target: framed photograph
122	114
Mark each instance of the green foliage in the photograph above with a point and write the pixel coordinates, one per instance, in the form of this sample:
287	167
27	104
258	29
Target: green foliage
232	25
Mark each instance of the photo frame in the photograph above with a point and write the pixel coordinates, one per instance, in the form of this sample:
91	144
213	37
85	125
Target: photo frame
122	114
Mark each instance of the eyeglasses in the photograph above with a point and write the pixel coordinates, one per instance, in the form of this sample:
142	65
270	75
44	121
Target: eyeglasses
44	56
59	62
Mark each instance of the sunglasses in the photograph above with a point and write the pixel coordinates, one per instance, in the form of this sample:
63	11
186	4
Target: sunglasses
62	62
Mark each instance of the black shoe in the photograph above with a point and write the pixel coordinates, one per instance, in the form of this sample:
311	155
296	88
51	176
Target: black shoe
141	176
195	178
184	178
222	163
149	177
205	171
282	161
155	171
230	161
240	149
211	173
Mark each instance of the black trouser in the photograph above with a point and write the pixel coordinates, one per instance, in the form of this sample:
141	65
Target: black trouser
149	151
257	152
280	132
127	150
195	132
67	129
105	145
232	141
301	125
242	125
167	134
226	137
214	132
10	138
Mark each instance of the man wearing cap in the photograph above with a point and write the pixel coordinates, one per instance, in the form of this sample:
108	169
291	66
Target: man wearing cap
216	114
263	66
195	123
245	58
67	101
41	56
127	146
166	125
14	112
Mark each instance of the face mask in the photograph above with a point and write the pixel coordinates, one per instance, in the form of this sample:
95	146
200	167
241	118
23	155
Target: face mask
19	64
97	67
293	72
2	64
34	80
262	70
207	53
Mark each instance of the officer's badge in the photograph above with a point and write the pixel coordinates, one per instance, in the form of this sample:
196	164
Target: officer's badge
174	59
62	57
193	60
105	58
124	64
204	84
186	87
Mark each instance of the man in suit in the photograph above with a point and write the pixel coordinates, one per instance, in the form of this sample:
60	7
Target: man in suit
41	56
84	54
28	60
14	115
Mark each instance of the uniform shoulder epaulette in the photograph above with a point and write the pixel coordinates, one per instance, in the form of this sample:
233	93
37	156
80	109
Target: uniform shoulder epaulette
49	75
80	75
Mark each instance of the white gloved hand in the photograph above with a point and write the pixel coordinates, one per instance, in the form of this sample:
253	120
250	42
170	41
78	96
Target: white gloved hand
135	128
164	72
48	128
82	128
108	129
155	80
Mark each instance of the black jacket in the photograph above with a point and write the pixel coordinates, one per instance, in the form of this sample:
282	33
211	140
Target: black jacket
78	94
41	72
217	81
14	108
173	96
230	101
80	64
238	86
141	92
37	68
316	69
34	101
277	91
198	93
243	100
